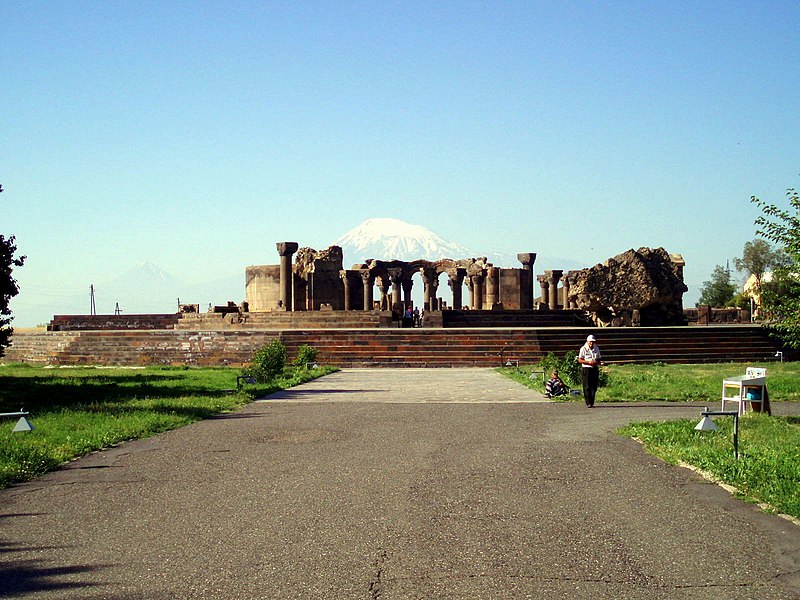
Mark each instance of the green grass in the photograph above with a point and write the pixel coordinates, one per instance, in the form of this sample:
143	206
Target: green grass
676	383
79	410
768	469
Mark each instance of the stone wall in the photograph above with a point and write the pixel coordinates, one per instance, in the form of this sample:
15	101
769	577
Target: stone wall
706	315
113	322
410	347
513	285
262	287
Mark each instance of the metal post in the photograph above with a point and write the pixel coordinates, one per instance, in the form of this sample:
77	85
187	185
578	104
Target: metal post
728	413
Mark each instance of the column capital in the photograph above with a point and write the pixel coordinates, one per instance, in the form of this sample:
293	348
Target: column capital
287	248
455	277
527	258
553	275
428	273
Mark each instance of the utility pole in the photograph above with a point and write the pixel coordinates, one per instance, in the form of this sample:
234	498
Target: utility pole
117	310
92	308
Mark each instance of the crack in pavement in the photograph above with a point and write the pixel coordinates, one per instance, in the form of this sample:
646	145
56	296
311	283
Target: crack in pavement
376	585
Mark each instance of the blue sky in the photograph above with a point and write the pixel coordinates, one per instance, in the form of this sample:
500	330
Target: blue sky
195	135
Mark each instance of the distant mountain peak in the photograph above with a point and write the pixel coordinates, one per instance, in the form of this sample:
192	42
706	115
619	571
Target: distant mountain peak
393	239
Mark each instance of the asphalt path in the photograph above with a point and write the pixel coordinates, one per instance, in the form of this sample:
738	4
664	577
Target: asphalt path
394	483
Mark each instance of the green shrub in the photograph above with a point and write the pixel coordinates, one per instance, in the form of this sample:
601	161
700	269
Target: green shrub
305	355
268	362
568	367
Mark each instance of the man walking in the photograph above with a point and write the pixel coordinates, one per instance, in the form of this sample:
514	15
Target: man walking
589	357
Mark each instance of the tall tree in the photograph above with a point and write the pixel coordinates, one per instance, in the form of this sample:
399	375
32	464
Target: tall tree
758	257
8	286
781	298
719	290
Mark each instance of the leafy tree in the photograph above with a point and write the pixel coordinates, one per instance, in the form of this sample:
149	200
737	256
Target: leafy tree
719	290
758	257
8	286
740	301
781	298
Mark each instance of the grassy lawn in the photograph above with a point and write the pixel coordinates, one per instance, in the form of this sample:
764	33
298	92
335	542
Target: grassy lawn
79	410
768	470
675	383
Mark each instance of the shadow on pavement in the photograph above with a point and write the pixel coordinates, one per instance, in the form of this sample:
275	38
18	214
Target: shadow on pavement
20	576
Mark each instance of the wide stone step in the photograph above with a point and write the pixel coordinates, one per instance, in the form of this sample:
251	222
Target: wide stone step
393	347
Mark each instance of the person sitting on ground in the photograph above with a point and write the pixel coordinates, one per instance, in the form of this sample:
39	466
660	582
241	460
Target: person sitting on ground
555	386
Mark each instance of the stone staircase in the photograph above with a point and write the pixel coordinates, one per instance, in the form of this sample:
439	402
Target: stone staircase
392	347
514	318
490	347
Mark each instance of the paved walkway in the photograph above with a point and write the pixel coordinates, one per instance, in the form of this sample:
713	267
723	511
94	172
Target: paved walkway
411	386
393	484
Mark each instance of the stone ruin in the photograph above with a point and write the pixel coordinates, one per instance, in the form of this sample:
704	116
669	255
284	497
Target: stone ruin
643	287
638	287
317	279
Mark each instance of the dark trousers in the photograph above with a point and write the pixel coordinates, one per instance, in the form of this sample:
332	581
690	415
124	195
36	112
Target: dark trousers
591	377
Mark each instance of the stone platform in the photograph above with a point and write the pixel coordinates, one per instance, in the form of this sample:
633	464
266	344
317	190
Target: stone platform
392	347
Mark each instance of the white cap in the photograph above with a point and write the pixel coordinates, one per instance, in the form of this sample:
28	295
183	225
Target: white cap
591	339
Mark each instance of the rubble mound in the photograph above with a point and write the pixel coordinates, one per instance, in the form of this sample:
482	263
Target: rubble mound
308	260
638	287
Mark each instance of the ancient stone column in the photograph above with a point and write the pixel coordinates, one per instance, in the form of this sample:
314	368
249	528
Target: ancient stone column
346	286
285	250
428	276
368	280
527	259
396	277
382	281
544	285
477	291
455	279
552	280
407	284
434	298
565	283
492	286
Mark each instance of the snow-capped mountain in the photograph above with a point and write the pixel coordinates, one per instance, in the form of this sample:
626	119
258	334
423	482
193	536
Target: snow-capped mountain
393	239
387	239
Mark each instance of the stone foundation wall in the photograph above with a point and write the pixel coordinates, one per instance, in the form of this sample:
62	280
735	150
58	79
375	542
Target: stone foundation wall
706	315
262	287
513	283
112	322
411	347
